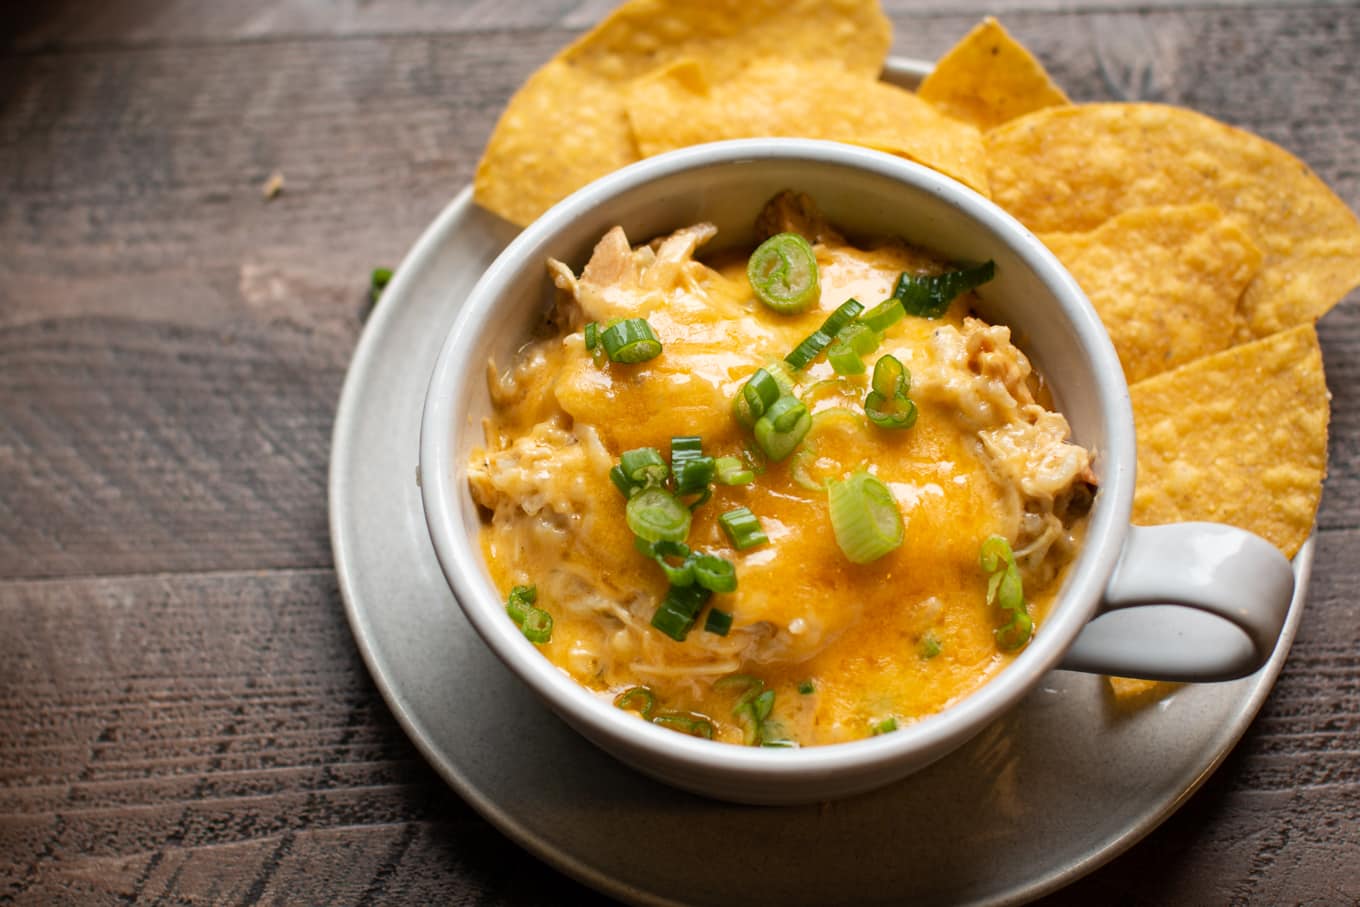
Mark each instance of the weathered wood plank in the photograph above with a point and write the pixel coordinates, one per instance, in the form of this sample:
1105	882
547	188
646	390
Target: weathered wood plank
164	736
70	23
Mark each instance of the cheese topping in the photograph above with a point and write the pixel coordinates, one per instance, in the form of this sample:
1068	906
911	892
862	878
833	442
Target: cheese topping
900	637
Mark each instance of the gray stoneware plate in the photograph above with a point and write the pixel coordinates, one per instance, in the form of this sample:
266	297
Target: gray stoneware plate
1060	786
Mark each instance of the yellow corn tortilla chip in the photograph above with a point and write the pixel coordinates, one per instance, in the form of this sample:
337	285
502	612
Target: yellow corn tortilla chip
1239	437
566	126
1072	168
686	104
1131	694
1166	281
989	78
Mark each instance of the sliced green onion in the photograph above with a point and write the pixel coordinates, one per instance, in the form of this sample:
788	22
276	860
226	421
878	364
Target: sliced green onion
779	371
636	699
852	342
694	725
625	485
644	466
844	360
895	412
656	516
630	341
884	315
743	528
891	377
718	622
865	518
377	282
685	447
1015	632
888	405
759	392
592	335
731	471
807	688
745	686
679	609
783	273
520	601
682	575
538	625
930	646
702	499
762	704
782	427
930	296
995	553
714	573
886	726
1006	590
693	476
1010	593
819	339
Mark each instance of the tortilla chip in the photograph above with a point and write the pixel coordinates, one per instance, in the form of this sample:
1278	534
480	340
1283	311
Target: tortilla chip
1165	280
566	126
989	78
686	104
1131	694
1073	168
1239	437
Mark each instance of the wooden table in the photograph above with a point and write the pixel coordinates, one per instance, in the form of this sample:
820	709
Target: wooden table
184	717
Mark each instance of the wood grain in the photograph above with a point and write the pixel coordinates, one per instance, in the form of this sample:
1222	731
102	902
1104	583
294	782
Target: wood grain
183	716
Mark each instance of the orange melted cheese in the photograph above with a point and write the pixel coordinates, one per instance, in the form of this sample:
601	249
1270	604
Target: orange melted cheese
982	459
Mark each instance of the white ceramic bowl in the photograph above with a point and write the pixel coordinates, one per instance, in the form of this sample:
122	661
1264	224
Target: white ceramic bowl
1240	584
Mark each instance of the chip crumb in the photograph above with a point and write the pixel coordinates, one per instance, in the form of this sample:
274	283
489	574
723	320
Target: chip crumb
272	186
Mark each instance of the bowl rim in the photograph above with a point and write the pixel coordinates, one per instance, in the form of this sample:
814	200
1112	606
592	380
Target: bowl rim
592	713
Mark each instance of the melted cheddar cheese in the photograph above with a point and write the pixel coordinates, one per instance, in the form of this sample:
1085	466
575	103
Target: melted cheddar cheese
984	458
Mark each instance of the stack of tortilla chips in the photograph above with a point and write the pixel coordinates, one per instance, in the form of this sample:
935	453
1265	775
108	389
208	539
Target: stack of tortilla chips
1208	252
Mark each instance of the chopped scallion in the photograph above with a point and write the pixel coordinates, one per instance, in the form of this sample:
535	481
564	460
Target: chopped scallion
538	626
884	315
630	341
930	646
758	394
656	516
743	528
715	573
1005	589
592	335
865	518
679	610
731	471
644	466
807	688
718	622
636	699
929	296
782	427
888	404
681	575
885	726
521	599
783	273
377	282
818	340
694	725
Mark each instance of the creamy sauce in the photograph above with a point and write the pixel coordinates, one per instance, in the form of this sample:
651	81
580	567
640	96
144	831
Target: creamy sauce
984	458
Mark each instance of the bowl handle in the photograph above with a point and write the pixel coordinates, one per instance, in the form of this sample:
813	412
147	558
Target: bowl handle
1188	602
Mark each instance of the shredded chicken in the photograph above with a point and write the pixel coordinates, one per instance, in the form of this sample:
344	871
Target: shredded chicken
794	212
